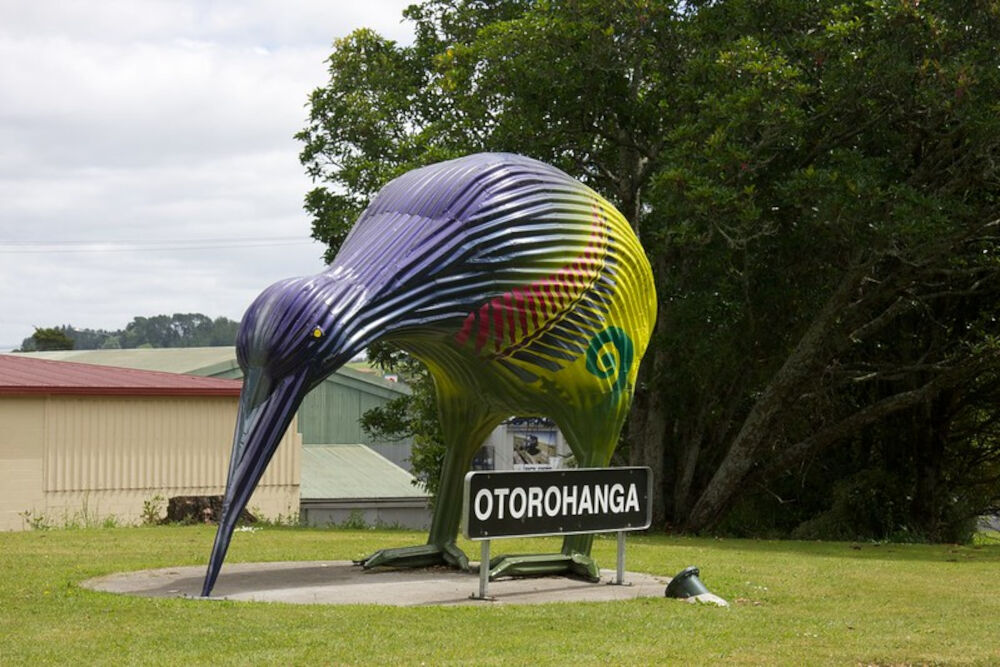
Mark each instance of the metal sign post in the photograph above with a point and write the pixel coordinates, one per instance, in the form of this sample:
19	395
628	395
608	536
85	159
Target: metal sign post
620	569
484	571
555	502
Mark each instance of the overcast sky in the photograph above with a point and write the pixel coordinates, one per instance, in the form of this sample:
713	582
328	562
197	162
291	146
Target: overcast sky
147	164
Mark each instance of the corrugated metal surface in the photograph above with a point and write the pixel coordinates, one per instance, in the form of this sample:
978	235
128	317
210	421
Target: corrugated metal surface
353	471
329	413
23	427
21	375
167	359
204	361
95	444
107	455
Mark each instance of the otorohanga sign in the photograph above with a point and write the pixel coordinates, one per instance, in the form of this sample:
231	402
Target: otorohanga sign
569	501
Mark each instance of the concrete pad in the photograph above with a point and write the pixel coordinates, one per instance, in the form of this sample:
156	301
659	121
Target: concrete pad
340	582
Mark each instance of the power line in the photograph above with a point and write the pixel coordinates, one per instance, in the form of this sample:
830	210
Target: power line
152	241
36	248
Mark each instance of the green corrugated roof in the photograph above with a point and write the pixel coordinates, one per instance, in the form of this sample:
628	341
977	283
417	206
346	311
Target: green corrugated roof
168	359
209	361
353	471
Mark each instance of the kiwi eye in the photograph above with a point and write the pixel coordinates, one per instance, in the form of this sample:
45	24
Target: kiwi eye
317	332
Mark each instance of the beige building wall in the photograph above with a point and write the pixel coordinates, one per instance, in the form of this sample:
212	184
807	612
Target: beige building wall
22	432
74	458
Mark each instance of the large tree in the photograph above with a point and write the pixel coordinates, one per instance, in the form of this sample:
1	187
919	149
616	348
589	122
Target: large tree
815	183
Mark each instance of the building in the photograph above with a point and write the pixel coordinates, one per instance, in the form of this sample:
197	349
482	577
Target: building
329	413
87	441
328	418
348	484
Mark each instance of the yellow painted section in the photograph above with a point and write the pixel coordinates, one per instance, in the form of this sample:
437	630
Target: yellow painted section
69	458
627	318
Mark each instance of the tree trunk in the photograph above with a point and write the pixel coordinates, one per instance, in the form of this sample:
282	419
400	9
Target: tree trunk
807	358
929	458
687	462
647	426
851	424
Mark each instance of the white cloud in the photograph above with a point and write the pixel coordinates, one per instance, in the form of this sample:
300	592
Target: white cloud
160	122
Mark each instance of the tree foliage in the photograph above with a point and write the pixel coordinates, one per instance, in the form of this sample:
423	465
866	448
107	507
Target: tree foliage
47	339
816	185
177	330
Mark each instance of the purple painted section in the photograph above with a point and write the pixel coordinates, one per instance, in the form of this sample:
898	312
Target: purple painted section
418	255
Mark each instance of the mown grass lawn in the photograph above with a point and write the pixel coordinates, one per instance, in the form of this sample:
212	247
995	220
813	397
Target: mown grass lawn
792	603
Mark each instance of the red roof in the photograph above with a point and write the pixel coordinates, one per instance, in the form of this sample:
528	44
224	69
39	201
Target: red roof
21	376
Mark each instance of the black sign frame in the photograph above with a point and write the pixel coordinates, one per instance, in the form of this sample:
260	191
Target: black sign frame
599	482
